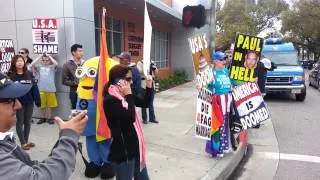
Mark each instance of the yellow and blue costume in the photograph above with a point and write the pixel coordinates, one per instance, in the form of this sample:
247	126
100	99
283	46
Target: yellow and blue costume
97	151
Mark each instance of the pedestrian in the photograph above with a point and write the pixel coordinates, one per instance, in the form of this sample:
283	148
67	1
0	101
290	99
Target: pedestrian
153	72
45	67
127	152
15	162
24	52
220	142
18	72
68	73
125	59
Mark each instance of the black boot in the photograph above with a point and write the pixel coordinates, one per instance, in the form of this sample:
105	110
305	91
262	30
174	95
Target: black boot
92	170
106	171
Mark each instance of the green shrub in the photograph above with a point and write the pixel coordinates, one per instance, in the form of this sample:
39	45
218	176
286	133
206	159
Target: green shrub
178	78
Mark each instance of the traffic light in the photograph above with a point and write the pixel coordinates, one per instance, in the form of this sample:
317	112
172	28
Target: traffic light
193	16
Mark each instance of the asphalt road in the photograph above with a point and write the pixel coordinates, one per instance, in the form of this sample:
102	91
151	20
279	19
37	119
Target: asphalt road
288	147
296	126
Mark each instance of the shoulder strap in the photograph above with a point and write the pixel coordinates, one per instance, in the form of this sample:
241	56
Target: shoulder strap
80	150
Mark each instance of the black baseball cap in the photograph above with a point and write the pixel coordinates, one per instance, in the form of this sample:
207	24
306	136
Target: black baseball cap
124	55
10	89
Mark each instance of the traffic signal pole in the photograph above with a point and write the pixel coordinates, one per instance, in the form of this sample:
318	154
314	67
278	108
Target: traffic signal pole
212	25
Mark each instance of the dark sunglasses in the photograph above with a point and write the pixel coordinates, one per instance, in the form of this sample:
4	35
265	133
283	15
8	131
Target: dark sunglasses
21	52
128	79
8	100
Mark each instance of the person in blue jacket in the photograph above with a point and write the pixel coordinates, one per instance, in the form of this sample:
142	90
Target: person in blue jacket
18	72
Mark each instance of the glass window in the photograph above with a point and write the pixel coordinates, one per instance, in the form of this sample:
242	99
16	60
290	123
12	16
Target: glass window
114	34
159	49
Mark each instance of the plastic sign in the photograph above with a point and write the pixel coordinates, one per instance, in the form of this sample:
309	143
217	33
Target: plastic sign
45	36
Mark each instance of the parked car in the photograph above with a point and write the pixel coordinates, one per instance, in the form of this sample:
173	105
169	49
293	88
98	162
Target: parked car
304	63
314	76
310	64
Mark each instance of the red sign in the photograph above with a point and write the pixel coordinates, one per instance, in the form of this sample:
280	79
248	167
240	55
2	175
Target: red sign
44	24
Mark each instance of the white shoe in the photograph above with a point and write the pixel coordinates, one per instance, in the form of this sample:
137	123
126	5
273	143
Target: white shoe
220	155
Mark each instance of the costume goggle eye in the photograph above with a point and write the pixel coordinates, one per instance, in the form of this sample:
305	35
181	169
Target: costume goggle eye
80	72
91	72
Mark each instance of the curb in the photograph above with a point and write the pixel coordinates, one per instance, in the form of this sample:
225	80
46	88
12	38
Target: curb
228	164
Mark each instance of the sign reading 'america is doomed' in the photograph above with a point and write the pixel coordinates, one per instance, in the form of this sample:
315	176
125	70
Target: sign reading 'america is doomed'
250	105
45	36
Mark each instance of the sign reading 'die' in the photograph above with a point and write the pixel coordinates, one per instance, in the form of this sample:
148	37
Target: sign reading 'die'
246	55
250	105
45	36
204	114
6	54
201	59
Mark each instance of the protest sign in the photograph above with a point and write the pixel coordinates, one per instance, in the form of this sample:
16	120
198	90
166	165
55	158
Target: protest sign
45	36
6	54
204	114
250	106
147	41
247	53
201	59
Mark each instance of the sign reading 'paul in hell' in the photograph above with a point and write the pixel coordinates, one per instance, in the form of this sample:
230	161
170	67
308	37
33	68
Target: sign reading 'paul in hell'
246	55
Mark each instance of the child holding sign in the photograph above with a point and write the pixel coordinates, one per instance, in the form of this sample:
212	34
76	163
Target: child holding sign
221	101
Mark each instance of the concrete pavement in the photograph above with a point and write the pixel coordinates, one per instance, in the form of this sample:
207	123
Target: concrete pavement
172	150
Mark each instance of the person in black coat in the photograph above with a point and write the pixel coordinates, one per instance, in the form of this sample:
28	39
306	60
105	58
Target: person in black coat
119	107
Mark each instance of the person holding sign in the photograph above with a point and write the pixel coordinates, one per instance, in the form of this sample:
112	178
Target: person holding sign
220	142
45	67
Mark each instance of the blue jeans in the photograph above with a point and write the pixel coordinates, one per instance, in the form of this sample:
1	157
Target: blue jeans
129	169
98	152
152	116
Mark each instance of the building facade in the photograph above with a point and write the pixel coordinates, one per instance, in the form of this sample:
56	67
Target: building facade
79	21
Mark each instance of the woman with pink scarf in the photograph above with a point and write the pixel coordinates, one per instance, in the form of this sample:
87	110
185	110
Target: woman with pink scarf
127	152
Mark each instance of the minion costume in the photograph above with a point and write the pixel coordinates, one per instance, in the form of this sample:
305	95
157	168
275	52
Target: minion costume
98	152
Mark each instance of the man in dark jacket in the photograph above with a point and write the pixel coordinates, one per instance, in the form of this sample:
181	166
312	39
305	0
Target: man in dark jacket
125	59
16	163
68	73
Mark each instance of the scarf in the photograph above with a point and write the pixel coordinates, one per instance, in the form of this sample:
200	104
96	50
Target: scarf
114	91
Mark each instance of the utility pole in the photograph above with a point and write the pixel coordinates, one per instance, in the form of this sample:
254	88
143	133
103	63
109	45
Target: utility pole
212	27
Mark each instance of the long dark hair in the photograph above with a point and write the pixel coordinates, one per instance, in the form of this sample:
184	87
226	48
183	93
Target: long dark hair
12	73
117	72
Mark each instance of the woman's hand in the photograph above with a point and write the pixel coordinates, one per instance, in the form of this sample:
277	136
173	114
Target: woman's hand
125	88
149	81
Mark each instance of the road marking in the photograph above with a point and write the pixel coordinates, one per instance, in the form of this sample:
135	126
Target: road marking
290	157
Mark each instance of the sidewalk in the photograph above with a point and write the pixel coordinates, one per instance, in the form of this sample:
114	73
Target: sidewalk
172	150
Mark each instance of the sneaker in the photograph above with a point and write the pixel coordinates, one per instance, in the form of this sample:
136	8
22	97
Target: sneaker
50	121
145	122
220	155
106	171
154	121
30	144
227	151
25	147
42	120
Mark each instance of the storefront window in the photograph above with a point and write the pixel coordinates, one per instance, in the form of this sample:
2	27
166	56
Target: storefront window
114	35
159	49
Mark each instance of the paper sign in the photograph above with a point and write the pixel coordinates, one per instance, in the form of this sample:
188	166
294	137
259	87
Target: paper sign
249	105
247	53
45	36
6	54
201	59
147	41
204	114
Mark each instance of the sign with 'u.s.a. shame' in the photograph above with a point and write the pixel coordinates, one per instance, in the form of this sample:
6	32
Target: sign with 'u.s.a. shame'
250	105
